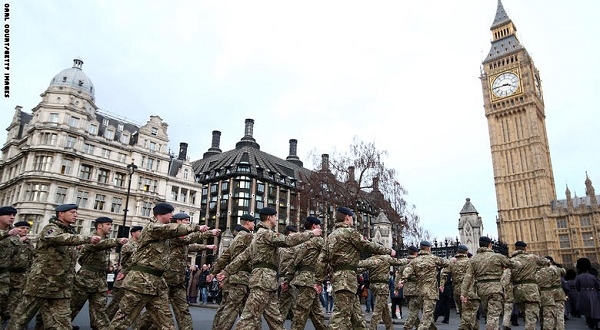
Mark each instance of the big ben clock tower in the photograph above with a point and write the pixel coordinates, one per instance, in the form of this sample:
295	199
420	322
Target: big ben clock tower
514	108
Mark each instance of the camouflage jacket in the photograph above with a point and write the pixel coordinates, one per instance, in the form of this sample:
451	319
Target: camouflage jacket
286	263
7	249
20	261
178	258
425	268
304	265
485	269
53	268
94	259
341	254
523	276
262	256
240	242
458	268
151	259
379	270
557	275
507	286
409	288
544	280
126	253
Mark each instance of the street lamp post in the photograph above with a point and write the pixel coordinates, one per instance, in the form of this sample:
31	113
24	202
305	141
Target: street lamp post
123	232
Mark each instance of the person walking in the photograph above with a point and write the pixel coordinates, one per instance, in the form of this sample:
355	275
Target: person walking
588	286
287	293
396	296
22	253
410	293
341	254
457	270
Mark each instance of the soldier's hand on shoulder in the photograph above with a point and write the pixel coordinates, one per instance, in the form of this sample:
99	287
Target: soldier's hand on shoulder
14	231
95	239
24	238
318	288
393	253
317	231
211	247
202	228
221	276
122	240
216	232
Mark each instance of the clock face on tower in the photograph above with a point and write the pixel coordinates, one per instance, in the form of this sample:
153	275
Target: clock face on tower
505	84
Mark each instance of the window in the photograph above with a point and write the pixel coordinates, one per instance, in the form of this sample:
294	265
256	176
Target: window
146	209
192	196
42	163
146	184
109	134
185	173
564	241
225	186
88	149
49	139
104	122
116	205
74	122
61	194
105	153
53	117
150	163
152	146
120	128
561	223
99	203
66	166
183	196
36	192
585	221
85	172
119	179
70	143
154	131
103	175
260	188
125	138
587	238
243	168
174	193
242	184
82	198
93	130
121	157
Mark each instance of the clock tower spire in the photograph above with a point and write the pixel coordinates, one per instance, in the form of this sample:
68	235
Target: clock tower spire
514	108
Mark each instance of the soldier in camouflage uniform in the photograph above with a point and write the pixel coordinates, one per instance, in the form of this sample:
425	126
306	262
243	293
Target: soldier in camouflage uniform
411	293
526	290
175	273
341	254
287	293
126	253
49	285
558	293
457	269
425	268
544	280
507	286
379	277
7	218
22	256
485	269
235	287
308	279
262	257
90	281
469	307
144	284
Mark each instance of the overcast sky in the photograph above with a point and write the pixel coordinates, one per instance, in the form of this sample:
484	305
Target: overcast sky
402	74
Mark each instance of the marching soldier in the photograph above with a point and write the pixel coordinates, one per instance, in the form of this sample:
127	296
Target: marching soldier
7	217
411	293
287	293
341	254
22	256
262	256
457	269
90	281
49	285
235	287
144	284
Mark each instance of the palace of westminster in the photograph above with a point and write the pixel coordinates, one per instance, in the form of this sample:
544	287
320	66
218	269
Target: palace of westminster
67	150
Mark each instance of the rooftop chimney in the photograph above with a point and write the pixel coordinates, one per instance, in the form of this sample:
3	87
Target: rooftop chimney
324	163
293	158
248	140
182	151
216	141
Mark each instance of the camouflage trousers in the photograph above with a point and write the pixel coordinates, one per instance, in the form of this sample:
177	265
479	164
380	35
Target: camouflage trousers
97	306
507	310
492	306
427	317
286	301
532	312
415	303
56	313
234	299
113	305
548	320
560	314
381	292
261	303
132	304
14	295
307	306
179	304
468	315
4	293
347	313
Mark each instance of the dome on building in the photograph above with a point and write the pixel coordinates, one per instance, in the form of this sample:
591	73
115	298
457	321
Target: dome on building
75	78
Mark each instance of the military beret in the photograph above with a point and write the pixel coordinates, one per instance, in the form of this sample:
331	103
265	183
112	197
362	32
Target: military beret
267	211
22	224
181	216
163	208
413	248
290	228
345	210
547	257
313	220
103	220
6	210
135	228
425	243
247	217
520	244
65	207
485	239
462	247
